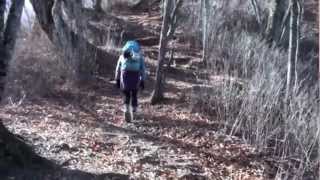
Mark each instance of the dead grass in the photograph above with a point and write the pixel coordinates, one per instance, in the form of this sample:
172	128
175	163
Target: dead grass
256	110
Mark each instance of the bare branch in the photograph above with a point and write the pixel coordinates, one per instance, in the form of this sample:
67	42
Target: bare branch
256	10
173	19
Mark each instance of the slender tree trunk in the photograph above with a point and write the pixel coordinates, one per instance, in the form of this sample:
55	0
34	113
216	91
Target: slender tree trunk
293	49
205	9
319	84
284	37
159	84
298	33
173	19
2	64
256	9
276	14
319	88
2	11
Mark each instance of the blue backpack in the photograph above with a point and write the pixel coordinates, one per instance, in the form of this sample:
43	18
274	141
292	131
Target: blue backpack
132	46
136	61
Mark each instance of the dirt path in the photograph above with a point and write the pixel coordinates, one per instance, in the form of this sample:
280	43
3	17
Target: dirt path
85	130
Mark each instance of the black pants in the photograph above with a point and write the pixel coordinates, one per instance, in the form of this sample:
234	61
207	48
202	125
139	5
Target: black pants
131	97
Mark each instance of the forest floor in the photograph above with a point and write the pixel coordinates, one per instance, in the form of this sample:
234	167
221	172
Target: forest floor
82	129
85	131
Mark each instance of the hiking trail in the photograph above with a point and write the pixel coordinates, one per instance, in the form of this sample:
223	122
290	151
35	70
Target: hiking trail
83	129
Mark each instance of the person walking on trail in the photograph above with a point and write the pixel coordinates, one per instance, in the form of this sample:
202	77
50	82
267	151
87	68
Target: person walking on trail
130	75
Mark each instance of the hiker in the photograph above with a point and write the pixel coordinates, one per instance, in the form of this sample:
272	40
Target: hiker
130	75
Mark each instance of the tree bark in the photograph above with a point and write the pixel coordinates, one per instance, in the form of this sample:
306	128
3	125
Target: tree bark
12	27
13	151
205	25
173	18
293	49
9	39
44	16
256	11
97	6
2	11
297	39
159	84
277	11
284	37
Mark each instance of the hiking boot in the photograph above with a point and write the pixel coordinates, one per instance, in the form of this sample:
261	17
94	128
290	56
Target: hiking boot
132	116
134	109
135	114
127	114
127	117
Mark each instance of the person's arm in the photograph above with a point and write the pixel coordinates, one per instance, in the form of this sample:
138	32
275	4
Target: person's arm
118	72
118	69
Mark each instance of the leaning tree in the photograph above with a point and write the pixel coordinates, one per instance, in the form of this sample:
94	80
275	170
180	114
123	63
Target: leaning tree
13	151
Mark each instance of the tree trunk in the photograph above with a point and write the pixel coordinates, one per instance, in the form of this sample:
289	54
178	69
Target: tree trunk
44	16
13	151
159	84
284	37
256	9
97	6
205	25
12	28
293	49
2	64
9	31
277	11
297	39
9	39
2	11
175	5
318	86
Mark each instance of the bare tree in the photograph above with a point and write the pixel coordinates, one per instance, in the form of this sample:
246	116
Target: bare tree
277	11
256	9
169	24
158	90
205	11
293	51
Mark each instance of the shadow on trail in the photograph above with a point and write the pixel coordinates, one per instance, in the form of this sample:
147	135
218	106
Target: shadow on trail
183	75
164	122
179	144
18	161
57	174
111	129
